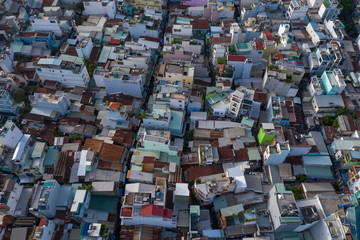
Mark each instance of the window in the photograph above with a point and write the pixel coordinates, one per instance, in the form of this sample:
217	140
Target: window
52	21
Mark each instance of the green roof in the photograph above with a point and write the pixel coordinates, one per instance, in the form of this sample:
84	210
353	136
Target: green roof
176	120
174	159
229	211
73	189
254	154
105	52
220	96
48	184
16	46
210	90
290	219
219	203
247	121
49	158
38	150
318	171
195	209
103	203
280	188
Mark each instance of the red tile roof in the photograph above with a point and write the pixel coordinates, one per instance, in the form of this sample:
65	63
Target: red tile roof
201	171
43	222
151	39
168	213
242	155
152	210
236	58
200	24
269	36
126	212
259	45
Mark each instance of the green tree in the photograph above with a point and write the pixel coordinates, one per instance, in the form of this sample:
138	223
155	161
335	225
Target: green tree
328	121
54	51
301	177
336	124
19	96
91	70
190	135
80	7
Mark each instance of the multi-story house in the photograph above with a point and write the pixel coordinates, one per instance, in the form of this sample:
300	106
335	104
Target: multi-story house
48	196
176	73
145	204
332	82
10	199
47	103
129	81
80	203
317	35
335	29
208	187
7	103
266	134
297	10
242	66
84	48
103	8
353	175
283	209
207	154
142	4
142	26
315	4
10	134
6	63
69	74
330	10
42	23
280	83
163	118
276	154
293	67
45	230
155	140
327	103
325	58
36	38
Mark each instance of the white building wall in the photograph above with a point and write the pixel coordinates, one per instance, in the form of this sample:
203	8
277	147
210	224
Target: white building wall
97	8
149	44
61	107
66	77
314	3
14	199
150	220
86	50
126	87
178	104
99	80
182	30
48	231
6	63
140	30
155	124
196	49
12	136
46	25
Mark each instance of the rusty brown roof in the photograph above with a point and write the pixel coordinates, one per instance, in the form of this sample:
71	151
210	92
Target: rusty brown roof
95	144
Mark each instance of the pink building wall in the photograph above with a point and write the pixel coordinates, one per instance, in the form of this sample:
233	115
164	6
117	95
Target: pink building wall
195	3
178	55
